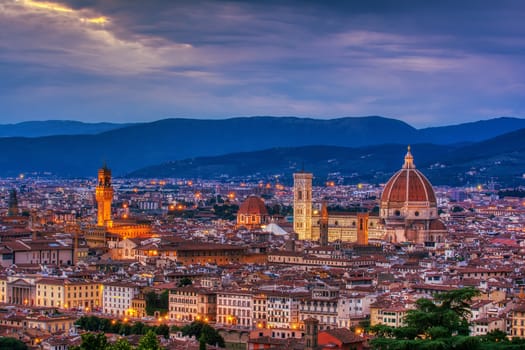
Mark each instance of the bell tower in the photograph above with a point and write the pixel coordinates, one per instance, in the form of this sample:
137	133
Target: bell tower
323	225
104	196
302	205
362	228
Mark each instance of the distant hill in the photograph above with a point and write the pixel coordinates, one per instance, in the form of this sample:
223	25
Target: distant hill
55	127
136	146
361	163
471	132
501	159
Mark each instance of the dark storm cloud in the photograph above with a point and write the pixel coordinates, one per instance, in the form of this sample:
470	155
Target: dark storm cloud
424	62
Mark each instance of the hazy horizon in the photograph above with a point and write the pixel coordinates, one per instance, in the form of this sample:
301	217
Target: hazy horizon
255	116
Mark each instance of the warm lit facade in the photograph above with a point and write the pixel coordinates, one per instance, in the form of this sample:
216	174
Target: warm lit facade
388	315
21	290
68	293
51	324
409	207
190	253
282	309
352	306
345	226
28	251
138	306
517	321
104	197
192	304
252	213
3	289
321	305
408	213
125	228
302	205
117	298
259	312
235	308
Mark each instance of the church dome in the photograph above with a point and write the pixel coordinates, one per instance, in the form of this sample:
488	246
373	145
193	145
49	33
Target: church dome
408	194
253	205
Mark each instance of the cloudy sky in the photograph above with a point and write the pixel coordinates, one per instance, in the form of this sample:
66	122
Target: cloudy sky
425	62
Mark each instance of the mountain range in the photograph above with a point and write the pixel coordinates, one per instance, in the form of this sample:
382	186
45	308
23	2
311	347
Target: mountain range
370	142
55	127
501	159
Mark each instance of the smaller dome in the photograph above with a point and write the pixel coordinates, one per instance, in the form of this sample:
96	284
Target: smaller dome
253	205
437	225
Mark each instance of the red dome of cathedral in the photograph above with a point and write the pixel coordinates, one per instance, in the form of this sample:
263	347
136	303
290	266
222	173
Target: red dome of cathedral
408	193
252	213
253	205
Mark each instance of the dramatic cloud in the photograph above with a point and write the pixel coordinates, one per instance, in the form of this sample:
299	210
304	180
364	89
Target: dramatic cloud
427	63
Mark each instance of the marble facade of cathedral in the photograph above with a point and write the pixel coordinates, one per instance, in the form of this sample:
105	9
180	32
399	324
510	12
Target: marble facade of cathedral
408	213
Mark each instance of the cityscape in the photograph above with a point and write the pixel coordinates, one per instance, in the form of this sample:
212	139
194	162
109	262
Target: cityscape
260	262
245	175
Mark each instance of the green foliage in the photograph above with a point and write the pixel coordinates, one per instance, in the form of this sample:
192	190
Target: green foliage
93	323
121	344
185	281
163	330
205	331
226	211
405	332
92	341
157	302
12	344
457	209
365	325
494	336
139	328
149	342
202	343
382	331
434	325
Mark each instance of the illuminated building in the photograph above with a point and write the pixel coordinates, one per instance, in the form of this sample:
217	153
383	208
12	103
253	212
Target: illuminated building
409	208
3	289
321	305
51	323
408	213
40	251
117	298
252	213
192	304
192	253
68	293
282	308
96	236
104	196
323	226
234	308
302	205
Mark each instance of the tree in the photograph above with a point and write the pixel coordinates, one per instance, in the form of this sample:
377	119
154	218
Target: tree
494	336
163	330
91	341
138	328
185	281
12	344
202	343
157	302
441	323
204	330
121	344
149	342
